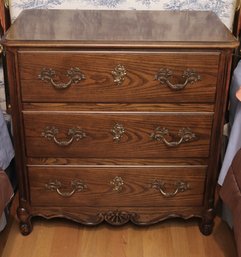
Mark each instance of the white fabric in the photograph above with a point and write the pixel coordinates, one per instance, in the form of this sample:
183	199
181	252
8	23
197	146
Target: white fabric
225	9
6	147
234	143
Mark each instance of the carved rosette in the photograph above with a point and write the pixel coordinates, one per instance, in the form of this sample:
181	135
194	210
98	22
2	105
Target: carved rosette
118	218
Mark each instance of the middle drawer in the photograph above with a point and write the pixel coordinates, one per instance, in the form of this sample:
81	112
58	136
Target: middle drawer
122	135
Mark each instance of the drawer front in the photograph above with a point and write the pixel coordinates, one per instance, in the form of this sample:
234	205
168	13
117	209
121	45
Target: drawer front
118	77
116	186
120	135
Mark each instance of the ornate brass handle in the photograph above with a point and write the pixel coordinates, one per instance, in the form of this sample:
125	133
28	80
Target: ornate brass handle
179	186
117	184
74	74
117	131
56	185
119	74
74	133
185	134
189	75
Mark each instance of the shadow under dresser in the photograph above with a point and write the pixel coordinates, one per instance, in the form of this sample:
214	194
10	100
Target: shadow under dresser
118	115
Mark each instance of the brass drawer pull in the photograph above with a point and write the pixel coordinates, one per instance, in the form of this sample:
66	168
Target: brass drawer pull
185	134
189	75
178	187
118	131
56	185
74	133
74	74
119	74
117	184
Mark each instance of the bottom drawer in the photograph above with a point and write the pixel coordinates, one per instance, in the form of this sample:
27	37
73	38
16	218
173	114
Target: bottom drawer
116	186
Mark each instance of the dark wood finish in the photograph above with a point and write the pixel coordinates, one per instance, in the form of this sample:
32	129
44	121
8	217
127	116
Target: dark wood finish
143	42
135	142
118	161
136	189
139	84
95	215
91	28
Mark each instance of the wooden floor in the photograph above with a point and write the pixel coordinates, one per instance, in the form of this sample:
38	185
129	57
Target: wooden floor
172	238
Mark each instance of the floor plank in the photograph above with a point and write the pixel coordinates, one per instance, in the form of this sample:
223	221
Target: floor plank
172	238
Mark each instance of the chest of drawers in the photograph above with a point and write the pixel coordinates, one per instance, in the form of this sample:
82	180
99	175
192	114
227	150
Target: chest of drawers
117	114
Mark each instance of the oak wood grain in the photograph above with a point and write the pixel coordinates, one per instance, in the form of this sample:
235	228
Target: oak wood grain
96	41
116	161
139	85
136	141
121	107
136	190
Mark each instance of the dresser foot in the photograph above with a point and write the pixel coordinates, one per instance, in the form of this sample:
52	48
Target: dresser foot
206	228
25	228
207	223
25	224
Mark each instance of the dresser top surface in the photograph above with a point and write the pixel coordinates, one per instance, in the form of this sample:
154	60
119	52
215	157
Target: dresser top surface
119	28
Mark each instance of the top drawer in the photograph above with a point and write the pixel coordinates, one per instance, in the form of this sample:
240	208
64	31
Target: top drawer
68	76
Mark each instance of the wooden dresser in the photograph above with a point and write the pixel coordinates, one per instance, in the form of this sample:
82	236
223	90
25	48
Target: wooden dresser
118	115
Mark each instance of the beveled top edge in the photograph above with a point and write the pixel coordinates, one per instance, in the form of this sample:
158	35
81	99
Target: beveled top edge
119	28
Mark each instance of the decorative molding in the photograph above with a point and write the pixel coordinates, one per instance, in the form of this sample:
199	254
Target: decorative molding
118	218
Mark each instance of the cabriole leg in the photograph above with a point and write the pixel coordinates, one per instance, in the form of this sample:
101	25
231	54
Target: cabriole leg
25	224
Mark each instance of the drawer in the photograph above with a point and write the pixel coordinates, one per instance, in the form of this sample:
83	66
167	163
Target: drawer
61	76
116	186
117	135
